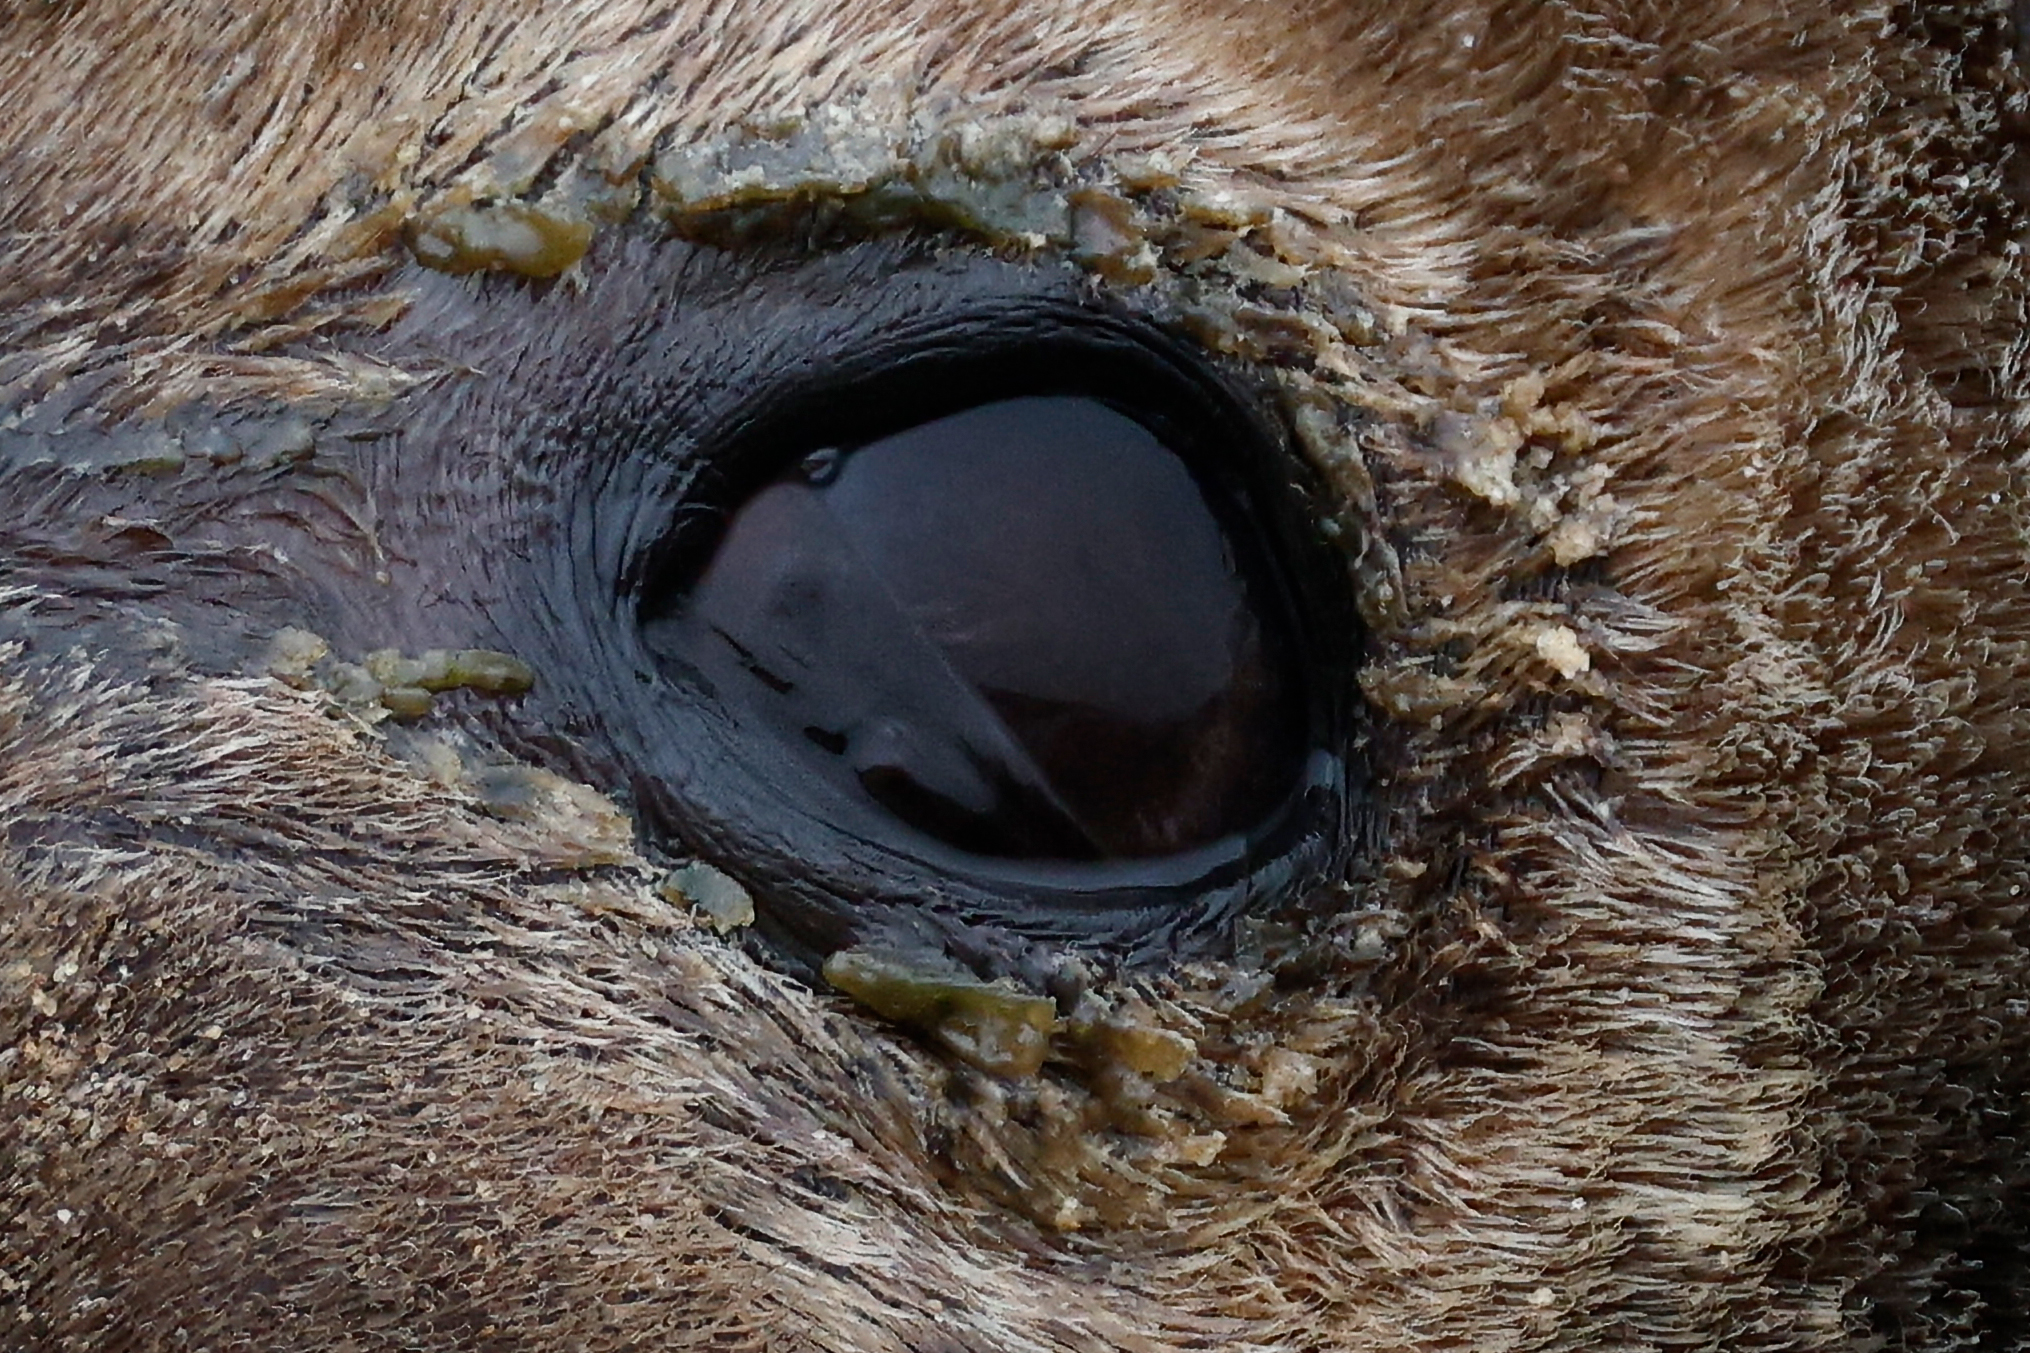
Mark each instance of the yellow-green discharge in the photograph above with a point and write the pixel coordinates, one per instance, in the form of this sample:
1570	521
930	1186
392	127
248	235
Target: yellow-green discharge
518	237
995	1027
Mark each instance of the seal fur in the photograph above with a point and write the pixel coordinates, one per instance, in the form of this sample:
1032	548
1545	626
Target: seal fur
1693	1010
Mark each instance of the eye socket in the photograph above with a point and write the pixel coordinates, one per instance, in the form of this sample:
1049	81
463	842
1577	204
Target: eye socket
1008	617
1019	628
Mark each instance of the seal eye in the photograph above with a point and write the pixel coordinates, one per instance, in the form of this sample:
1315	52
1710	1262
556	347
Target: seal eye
1020	629
974	616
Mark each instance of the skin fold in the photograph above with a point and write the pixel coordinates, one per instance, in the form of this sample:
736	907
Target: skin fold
1657	373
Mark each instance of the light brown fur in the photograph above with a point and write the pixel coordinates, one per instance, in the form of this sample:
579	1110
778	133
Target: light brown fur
1695	1008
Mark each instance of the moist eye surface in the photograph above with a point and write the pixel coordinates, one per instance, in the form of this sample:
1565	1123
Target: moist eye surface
1020	630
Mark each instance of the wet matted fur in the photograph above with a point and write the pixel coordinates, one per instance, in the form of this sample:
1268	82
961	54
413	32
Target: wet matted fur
1669	361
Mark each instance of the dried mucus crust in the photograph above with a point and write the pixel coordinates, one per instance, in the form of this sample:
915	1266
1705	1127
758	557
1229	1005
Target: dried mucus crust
1667	373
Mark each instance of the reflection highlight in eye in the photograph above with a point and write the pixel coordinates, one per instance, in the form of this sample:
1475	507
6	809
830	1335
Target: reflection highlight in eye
1020	629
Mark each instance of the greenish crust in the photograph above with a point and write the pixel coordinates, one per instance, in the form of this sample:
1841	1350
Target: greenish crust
991	1025
439	669
531	239
386	682
715	898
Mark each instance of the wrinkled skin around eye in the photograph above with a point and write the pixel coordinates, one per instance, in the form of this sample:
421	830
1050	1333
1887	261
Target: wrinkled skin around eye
1653	378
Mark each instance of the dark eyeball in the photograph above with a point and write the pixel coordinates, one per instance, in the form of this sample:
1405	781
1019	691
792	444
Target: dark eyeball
1020	629
1003	617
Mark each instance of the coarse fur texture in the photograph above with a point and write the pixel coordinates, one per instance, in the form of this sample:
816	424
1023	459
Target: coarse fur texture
1686	1004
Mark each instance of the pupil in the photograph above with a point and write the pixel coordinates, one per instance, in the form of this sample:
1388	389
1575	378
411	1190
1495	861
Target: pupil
1019	629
